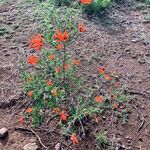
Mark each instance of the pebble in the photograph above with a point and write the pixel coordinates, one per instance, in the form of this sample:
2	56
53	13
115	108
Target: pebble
58	146
30	146
3	133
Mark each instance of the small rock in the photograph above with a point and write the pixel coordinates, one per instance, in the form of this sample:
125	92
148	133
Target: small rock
128	138
148	91
3	133
58	146
123	147
30	146
104	118
136	40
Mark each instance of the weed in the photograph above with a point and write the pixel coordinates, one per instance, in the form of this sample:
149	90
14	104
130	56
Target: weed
2	31
102	140
146	1
96	6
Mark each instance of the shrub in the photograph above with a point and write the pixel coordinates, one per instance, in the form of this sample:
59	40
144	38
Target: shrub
96	6
52	82
102	140
146	1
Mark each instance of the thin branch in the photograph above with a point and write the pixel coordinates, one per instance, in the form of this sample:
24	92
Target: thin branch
141	132
31	130
142	117
83	131
138	93
64	60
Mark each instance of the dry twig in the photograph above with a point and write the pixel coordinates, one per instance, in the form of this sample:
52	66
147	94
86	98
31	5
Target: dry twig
31	130
142	117
140	132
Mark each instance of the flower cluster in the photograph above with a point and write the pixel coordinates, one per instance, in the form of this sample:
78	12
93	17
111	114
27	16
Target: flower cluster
50	82
54	82
87	2
36	42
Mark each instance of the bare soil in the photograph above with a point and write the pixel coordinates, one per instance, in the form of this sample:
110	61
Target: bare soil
118	40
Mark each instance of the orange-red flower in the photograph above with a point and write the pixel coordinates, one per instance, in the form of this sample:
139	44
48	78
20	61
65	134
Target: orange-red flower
56	110
74	139
60	46
66	66
76	62
60	37
99	99
29	110
21	120
101	70
108	77
63	115
116	106
81	27
50	83
51	57
54	92
33	60
87	2
30	93
36	42
57	70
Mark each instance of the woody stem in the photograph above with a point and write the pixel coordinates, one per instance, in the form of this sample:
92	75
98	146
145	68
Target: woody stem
64	60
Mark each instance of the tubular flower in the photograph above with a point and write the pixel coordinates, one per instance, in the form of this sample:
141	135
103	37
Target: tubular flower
33	60
66	36
30	93
56	110
66	66
60	46
116	106
54	92
50	83
51	57
81	27
99	99
63	115
21	120
57	70
36	42
60	37
76	62
87	2
101	70
29	110
108	77
74	139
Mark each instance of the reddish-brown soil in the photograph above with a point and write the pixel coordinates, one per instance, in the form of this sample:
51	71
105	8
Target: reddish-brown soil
119	40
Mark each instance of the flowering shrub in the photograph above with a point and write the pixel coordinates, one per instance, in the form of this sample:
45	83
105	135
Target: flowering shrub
52	83
52	18
95	6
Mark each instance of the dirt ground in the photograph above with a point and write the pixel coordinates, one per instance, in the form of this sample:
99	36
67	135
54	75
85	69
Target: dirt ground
120	40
